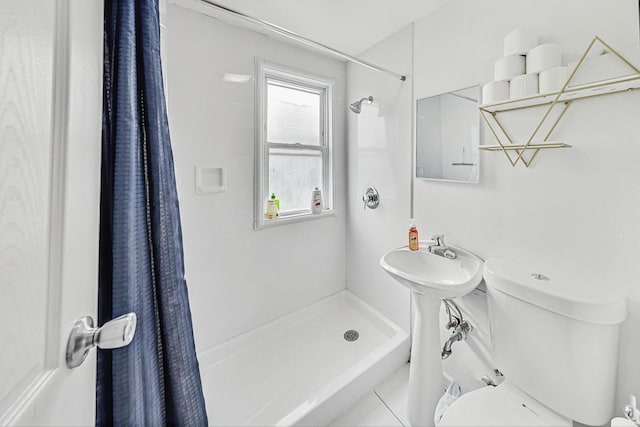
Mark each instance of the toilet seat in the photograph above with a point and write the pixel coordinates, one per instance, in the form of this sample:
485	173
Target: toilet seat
504	405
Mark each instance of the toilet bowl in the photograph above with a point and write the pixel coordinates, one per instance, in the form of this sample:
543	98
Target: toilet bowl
502	406
555	340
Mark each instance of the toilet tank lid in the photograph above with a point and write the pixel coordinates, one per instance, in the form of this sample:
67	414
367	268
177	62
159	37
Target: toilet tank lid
569	297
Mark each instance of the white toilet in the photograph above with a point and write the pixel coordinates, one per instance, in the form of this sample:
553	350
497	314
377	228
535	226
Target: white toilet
556	342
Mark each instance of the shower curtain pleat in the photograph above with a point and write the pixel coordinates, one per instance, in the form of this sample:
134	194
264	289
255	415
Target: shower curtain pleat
155	381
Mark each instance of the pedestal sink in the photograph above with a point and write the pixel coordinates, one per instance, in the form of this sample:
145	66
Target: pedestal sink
430	277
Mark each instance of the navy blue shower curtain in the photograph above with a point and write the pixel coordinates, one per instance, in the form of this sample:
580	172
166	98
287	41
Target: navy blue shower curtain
155	381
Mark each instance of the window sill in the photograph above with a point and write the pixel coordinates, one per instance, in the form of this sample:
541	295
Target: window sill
292	219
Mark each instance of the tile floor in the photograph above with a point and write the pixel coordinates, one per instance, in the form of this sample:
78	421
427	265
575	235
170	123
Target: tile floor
385	405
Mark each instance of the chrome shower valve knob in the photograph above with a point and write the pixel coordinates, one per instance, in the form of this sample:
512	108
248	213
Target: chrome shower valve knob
371	198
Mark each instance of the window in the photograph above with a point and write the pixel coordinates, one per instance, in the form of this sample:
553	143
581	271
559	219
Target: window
293	143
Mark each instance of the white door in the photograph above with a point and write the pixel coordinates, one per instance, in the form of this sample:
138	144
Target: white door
50	130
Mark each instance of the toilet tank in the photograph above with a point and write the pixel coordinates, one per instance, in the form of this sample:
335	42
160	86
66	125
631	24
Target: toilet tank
555	338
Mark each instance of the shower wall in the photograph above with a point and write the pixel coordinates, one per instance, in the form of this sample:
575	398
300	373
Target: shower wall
379	155
239	278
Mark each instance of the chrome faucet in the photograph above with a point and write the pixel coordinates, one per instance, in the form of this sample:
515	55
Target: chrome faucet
437	246
459	333
461	327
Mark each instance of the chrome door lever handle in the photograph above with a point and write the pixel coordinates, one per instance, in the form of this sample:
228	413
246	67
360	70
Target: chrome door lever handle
84	336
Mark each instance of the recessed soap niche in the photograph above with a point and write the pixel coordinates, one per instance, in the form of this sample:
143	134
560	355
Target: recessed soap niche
210	179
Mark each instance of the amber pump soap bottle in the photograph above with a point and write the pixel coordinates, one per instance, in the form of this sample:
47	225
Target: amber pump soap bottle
413	236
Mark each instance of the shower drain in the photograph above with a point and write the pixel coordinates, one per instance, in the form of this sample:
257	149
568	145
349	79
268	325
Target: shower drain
351	335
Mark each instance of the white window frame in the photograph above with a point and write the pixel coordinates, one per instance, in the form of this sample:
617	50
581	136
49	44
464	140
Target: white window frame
288	77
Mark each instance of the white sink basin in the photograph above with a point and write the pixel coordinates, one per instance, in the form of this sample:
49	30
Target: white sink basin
427	273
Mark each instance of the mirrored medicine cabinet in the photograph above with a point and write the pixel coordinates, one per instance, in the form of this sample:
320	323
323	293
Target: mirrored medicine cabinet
448	136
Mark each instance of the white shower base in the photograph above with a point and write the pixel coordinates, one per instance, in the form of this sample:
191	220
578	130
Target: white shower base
299	369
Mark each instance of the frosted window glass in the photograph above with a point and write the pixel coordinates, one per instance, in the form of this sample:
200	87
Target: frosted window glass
292	177
293	116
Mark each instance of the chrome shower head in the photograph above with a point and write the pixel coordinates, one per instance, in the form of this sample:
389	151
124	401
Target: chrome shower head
356	107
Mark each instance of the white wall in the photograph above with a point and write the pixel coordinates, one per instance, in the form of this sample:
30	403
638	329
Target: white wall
576	210
379	154
239	278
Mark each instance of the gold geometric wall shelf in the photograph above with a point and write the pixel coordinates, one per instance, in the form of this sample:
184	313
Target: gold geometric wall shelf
527	151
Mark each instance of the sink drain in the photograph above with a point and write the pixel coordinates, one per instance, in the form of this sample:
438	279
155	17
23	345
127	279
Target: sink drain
351	335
